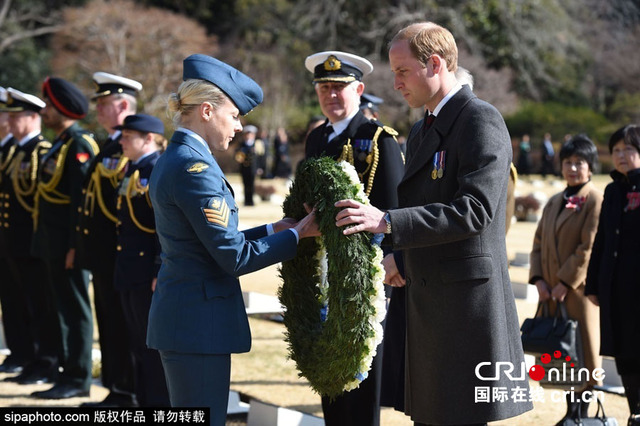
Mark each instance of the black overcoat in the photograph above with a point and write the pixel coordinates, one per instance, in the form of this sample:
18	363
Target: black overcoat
460	306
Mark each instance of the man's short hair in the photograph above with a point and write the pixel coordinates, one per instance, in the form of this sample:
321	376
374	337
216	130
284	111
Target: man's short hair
426	39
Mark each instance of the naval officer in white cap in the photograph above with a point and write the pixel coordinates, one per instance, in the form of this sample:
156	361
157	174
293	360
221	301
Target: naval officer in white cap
373	150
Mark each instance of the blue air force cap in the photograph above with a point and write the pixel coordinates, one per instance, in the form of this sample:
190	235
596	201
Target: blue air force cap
142	123
369	101
241	89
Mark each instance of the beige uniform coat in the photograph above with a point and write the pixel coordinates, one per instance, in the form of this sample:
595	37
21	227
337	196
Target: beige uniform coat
561	251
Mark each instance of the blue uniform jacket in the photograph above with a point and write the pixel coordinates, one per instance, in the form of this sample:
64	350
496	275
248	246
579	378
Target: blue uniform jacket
138	250
197	306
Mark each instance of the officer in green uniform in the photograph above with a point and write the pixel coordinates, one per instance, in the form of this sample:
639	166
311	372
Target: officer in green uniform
32	288
115	99
58	196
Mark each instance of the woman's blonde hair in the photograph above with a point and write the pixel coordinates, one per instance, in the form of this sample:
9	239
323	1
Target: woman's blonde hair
190	95
426	39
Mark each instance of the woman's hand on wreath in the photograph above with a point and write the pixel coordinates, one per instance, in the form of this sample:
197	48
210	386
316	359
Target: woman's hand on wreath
364	218
283	224
392	275
308	227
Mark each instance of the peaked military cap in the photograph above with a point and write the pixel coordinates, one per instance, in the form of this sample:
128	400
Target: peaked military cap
241	89
17	101
111	84
369	101
65	97
250	128
3	96
142	123
337	66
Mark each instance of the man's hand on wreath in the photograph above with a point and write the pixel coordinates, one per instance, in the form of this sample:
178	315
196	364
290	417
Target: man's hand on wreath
363	217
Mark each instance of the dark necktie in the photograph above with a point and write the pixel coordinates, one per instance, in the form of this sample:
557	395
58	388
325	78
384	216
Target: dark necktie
429	120
328	129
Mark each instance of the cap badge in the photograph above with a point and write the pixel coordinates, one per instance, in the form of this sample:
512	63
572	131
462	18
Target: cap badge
332	64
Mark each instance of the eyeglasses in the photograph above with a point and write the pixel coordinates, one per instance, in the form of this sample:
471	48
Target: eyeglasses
577	164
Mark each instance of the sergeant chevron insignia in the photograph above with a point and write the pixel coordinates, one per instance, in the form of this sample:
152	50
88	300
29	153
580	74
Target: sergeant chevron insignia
197	167
218	213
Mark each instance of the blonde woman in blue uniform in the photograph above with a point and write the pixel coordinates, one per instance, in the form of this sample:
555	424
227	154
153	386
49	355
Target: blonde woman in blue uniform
138	252
197	316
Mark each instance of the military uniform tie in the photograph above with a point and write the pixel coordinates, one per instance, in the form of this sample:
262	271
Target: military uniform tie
328	129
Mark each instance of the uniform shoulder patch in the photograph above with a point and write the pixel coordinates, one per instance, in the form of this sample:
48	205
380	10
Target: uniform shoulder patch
217	212
390	130
197	167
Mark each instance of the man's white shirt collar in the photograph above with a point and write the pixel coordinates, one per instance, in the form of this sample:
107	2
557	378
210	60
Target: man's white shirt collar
341	126
113	136
28	137
444	100
6	139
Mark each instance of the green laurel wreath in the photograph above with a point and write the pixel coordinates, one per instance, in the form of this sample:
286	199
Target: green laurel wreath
332	290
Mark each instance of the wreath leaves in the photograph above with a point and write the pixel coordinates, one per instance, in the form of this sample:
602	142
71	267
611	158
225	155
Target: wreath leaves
333	351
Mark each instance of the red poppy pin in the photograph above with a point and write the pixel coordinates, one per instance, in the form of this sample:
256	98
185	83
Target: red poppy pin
82	157
575	202
634	201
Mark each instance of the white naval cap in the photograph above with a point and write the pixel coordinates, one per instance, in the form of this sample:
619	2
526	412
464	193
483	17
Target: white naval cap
111	84
18	101
333	65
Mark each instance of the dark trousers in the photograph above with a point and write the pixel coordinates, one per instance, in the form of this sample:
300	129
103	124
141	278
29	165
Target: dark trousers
34	285
70	290
629	370
15	315
199	380
249	183
150	383
117	359
361	406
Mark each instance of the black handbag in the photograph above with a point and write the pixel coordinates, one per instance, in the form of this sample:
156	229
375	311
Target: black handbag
547	334
600	419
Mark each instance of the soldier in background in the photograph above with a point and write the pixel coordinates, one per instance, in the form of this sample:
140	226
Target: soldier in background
138	255
58	197
34	296
13	321
115	99
247	157
369	106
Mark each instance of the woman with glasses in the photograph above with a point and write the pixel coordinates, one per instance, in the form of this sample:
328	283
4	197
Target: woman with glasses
561	251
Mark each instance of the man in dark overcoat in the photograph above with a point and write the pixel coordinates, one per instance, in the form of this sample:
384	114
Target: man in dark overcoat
449	229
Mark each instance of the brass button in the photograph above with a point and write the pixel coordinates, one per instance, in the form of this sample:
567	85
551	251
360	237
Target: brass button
141	253
119	248
77	228
79	209
6	204
86	232
6	224
6	215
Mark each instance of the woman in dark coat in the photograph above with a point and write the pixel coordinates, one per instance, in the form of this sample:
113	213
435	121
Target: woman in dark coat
612	277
